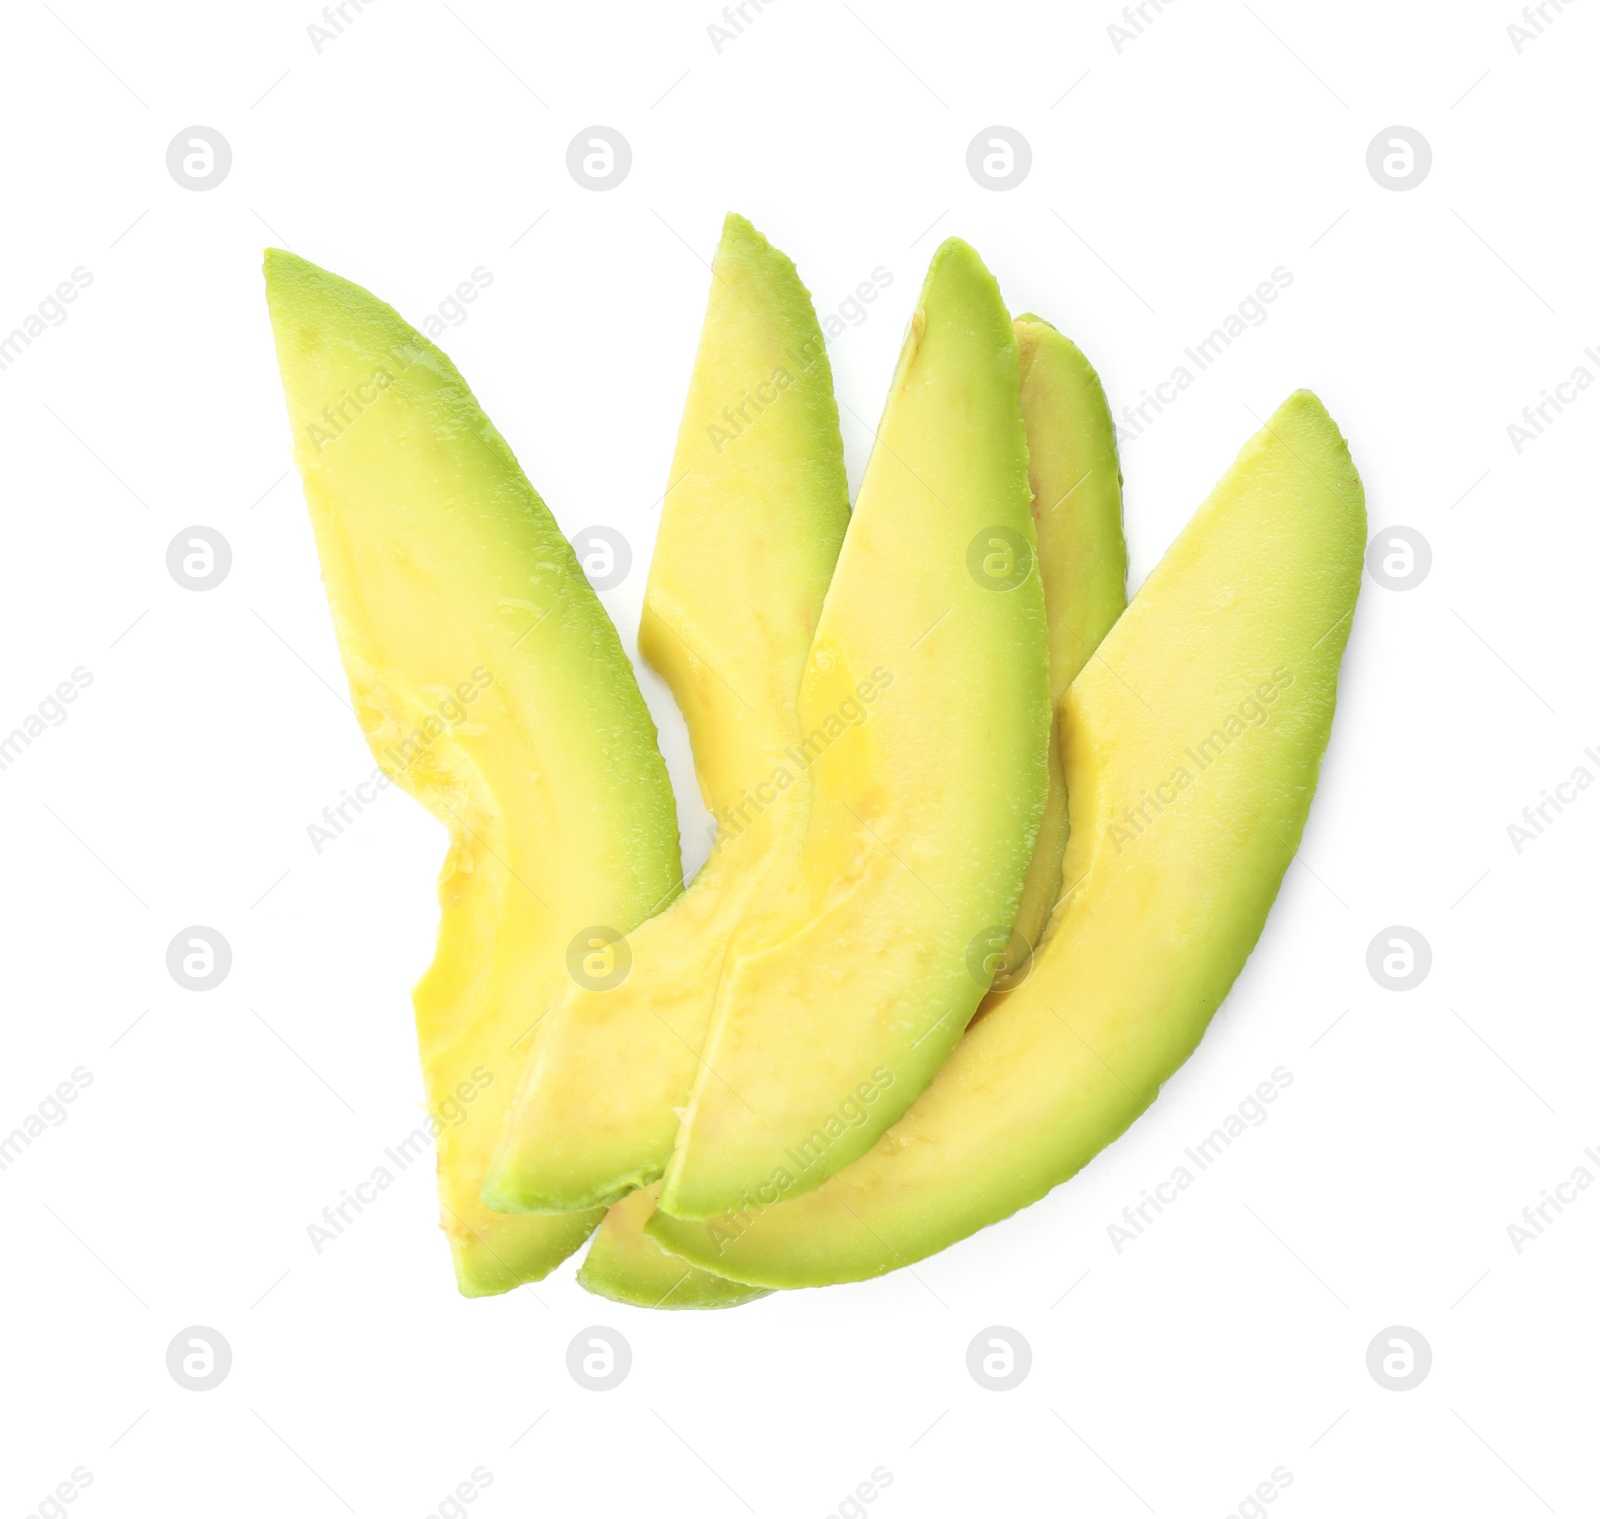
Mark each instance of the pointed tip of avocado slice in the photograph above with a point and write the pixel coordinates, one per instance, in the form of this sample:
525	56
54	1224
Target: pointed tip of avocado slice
743	240
281	267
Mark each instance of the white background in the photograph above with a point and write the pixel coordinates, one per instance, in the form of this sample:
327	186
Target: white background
1167	180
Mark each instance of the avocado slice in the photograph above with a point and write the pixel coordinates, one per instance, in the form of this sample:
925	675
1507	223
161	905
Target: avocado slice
750	530
1083	558
624	1264
1192	745
1077	509
925	704
491	686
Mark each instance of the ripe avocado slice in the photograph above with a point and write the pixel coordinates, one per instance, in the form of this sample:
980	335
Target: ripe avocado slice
749	534
1192	747
491	686
925	703
1083	558
624	1264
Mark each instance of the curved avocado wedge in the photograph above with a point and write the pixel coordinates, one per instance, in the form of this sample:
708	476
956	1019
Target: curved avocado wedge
925	703
1083	559
492	687
1192	744
749	534
624	1264
1077	509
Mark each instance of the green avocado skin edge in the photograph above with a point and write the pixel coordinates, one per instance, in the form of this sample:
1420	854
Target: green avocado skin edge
1225	667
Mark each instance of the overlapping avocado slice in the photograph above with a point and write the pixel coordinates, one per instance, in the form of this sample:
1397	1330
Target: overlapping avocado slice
921	783
1083	560
750	529
1077	510
1192	743
491	686
925	705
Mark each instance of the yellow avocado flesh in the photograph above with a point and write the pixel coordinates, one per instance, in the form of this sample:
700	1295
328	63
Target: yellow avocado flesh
1192	745
624	1264
925	705
750	530
1083	558
1077	508
491	686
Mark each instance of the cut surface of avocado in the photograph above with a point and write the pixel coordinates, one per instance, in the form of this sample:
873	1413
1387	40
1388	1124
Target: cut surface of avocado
925	709
750	530
1083	559
490	685
624	1264
1192	748
1077	509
